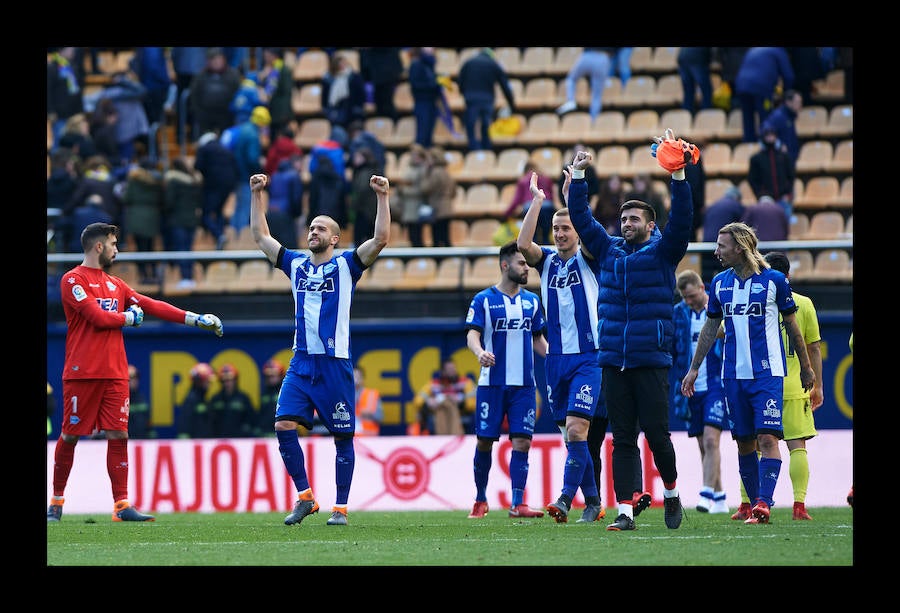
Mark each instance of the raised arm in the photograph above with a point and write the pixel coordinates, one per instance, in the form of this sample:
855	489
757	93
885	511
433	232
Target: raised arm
370	249
525	241
259	227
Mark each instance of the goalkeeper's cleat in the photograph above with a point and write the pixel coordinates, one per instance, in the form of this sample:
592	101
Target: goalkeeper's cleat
743	512
302	508
592	512
641	502
523	510
338	517
623	522
800	511
559	510
123	511
759	514
479	509
54	511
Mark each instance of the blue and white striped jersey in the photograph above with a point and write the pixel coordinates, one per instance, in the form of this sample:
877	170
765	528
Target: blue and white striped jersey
711	366
322	297
569	290
750	307
507	325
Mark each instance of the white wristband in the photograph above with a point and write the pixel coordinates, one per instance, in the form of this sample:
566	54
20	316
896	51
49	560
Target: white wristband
190	318
578	173
678	175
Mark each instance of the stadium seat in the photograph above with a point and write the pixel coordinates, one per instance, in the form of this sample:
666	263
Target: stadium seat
399	237
811	121
819	192
845	195
815	156
641	59
641	126
842	160
612	160
481	233
833	265
537	61
540	130
510	58
848	226
404	133
679	120
510	164
716	159
478	165
798	226
829	89
481	199
418	273
381	127
669	91
573	128
734	126
383	274
639	89
642	162
708	124
608	127
538	94
840	122
307	99
403	100
220	277
313	130
714	189
825	225
252	275
455	161
740	157
483	272
747	195
564	60
802	264
690	261
443	136
548	160
446	61
311	65
664	60
459	232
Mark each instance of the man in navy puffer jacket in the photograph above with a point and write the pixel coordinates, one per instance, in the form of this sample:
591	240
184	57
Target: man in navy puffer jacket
637	284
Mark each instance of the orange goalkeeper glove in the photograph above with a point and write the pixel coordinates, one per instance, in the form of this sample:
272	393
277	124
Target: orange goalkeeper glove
672	154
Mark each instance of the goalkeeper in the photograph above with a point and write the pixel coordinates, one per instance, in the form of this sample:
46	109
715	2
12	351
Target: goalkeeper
95	377
637	286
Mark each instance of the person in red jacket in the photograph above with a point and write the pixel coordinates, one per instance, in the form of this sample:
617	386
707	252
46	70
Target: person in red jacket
95	375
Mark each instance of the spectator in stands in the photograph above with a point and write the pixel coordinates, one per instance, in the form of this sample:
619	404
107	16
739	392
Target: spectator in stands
621	64
784	121
360	137
771	171
284	147
193	414
76	137
755	84
362	199
642	189
343	92
248	96
212	90
478	78
105	131
412	197
334	148
768	220
248	153
91	211
594	63
273	375
151	66
808	66
187	62
277	84
140	422
182	204
65	88
286	202
232	412
142	203
723	211
729	59
446	402
426	92
327	190
694	70
695	174
369	411
609	199
132	127
382	68
521	202
439	188
63	179
219	168
96	178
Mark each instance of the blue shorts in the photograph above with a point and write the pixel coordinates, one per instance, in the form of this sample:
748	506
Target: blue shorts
755	406
322	384
708	409
517	402
573	385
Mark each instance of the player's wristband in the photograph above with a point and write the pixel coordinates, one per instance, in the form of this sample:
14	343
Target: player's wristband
678	175
578	173
190	318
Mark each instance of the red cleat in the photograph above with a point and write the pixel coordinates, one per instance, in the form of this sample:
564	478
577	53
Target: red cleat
743	512
523	510
800	511
759	514
479	510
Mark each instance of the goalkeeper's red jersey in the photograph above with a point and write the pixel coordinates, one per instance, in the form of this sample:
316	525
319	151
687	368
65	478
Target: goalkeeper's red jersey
94	302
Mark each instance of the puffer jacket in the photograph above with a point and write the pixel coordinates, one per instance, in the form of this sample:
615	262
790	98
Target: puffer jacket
637	282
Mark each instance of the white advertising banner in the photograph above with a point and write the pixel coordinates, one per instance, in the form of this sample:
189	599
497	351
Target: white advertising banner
401	473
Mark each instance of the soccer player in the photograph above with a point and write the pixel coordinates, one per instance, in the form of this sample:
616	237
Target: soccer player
705	412
320	374
95	376
749	295
799	404
505	327
637	282
569	294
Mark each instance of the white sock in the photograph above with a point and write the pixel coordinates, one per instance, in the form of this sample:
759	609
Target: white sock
670	493
625	508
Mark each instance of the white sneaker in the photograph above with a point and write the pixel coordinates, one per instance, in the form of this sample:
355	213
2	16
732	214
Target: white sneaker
566	107
719	506
704	504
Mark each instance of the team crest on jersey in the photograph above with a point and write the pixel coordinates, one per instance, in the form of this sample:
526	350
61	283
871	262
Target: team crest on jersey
756	288
340	412
526	304
79	293
110	285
